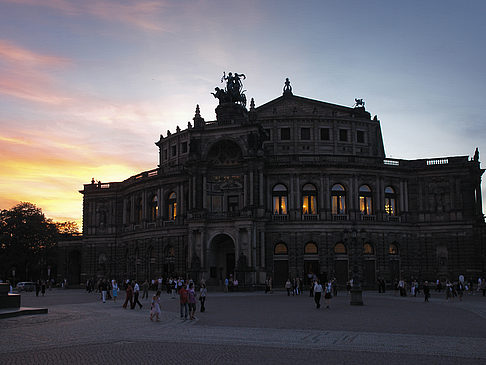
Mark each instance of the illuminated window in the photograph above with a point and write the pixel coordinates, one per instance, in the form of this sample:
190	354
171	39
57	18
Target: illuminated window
154	208
368	249
340	249
365	200
279	199
172	206
390	201
310	249
281	249
338	195
309	199
393	249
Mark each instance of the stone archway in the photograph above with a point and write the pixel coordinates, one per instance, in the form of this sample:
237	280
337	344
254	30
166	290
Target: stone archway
221	258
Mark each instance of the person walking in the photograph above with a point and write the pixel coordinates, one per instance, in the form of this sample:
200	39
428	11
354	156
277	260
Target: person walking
155	307
288	286
129	296
38	286
328	294
115	290
317	293
183	301
103	289
426	291
202	296
191	299
145	288
43	287
136	293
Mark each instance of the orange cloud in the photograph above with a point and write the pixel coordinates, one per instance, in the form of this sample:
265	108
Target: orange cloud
11	52
136	13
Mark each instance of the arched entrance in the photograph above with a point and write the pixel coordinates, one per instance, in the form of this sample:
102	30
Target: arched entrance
221	259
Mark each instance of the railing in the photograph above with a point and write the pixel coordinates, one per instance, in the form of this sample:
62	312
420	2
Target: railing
310	217
368	217
280	217
391	162
340	217
440	161
391	218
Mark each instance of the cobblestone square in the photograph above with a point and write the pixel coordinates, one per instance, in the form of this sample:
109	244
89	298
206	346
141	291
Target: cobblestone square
248	328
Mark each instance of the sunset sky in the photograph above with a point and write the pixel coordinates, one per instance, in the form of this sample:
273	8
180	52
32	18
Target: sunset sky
87	86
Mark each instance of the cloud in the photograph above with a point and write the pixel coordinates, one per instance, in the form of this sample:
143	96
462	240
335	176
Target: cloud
141	14
11	52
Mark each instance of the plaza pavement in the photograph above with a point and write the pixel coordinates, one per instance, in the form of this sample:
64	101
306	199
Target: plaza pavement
248	328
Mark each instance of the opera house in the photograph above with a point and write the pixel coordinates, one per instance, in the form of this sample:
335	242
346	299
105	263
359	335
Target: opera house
292	187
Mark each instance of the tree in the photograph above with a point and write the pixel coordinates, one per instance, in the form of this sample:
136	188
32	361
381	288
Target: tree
68	228
26	241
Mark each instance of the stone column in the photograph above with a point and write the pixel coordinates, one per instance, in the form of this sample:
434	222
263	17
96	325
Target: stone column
262	202
204	193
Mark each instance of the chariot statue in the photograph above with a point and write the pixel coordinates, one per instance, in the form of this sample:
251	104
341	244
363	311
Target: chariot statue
233	92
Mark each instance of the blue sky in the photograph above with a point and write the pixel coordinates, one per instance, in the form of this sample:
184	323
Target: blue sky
86	87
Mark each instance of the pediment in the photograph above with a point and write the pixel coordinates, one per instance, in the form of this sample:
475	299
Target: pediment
299	106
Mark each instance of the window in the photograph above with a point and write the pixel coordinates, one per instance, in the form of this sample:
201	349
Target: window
343	135
280	249
309	199
324	134
154	208
390	201
173	150
305	134
172	206
216	205
165	153
360	137
285	134
340	249
365	200
279	199
338	195
170	251
393	249
184	147
368	249
268	134
310	249
138	210
233	203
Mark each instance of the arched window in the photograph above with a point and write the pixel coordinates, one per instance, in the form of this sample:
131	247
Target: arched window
365	206
309	199
338	194
368	249
393	249
281	249
390	201
340	249
154	208
172	206
310	249
279	194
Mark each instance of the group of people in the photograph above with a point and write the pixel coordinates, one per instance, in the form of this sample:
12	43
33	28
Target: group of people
318	289
452	289
294	286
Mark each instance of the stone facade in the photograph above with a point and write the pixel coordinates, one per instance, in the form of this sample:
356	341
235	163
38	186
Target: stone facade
293	187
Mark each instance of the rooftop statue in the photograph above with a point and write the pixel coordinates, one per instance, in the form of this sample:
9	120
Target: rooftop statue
359	103
233	93
287	90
